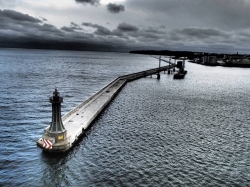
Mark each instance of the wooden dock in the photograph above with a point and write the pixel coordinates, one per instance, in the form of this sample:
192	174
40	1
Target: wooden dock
81	117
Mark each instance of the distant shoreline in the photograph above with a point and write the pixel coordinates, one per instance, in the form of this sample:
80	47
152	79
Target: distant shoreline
190	54
207	59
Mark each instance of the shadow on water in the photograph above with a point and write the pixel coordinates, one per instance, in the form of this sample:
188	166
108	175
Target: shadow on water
57	166
54	169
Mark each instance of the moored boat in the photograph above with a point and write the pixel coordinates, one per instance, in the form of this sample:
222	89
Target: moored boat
181	72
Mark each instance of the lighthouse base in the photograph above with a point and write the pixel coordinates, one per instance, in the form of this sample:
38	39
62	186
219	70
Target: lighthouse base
46	145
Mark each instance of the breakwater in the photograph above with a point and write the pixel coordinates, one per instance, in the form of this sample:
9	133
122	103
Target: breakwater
75	123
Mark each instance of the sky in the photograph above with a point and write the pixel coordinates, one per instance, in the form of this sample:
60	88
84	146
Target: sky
220	26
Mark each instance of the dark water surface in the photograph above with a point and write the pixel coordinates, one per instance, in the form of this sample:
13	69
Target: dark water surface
190	132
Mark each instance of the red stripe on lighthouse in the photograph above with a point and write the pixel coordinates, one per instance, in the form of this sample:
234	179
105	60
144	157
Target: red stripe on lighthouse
47	144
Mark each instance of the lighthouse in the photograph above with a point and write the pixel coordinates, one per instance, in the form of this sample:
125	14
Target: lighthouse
56	129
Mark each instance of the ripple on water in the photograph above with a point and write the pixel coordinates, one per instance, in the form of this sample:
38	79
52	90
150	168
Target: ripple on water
190	132
171	142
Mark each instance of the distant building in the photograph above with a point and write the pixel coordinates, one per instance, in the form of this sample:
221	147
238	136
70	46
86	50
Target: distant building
209	60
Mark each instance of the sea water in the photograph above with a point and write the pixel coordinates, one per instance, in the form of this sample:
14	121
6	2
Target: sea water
190	132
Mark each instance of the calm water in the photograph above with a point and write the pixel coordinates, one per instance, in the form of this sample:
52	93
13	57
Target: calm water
190	132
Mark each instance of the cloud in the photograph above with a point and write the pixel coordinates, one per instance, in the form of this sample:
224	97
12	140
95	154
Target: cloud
103	31
92	2
121	29
46	27
67	29
74	24
72	28
114	8
17	16
22	30
127	27
149	34
201	33
100	29
223	14
127	31
91	25
44	19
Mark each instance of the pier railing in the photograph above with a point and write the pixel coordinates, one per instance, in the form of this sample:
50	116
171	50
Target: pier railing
137	75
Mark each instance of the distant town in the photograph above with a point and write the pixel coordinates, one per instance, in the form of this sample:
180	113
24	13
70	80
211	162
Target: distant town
210	59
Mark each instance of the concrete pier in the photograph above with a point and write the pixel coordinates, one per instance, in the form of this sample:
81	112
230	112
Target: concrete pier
80	118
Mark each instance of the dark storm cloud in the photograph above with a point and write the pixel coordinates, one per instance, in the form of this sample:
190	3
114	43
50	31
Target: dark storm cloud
72	28
103	31
147	35
125	27
128	31
23	30
114	8
44	19
67	29
91	25
29	32
154	30
201	33
223	14
92	2
100	29
129	35
18	24
46	27
121	29
17	16
194	24
74	24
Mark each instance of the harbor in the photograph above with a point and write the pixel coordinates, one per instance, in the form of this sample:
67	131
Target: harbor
106	93
154	128
64	131
204	58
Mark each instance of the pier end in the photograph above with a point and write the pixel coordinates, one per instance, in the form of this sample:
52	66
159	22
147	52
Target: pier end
55	136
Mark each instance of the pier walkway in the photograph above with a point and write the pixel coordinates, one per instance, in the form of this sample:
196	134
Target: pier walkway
80	118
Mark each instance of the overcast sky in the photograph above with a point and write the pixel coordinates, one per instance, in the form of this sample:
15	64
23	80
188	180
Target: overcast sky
124	25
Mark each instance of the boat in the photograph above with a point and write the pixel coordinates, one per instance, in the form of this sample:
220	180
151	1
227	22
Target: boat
180	74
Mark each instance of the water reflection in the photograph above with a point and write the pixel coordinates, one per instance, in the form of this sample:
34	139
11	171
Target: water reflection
55	166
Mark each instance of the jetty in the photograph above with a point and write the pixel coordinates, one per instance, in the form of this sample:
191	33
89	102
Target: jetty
63	132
